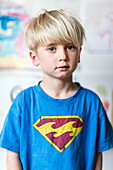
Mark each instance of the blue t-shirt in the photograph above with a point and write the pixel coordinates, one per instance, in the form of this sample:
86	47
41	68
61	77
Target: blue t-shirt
56	134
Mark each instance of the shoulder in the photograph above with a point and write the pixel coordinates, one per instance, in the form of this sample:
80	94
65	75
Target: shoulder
27	92
25	95
91	99
23	100
90	94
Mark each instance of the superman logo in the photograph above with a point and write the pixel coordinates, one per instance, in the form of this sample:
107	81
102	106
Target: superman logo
59	131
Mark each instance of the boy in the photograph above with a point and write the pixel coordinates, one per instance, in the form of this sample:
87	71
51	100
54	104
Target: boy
57	124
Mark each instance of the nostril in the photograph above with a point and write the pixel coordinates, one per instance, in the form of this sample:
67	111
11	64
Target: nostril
63	58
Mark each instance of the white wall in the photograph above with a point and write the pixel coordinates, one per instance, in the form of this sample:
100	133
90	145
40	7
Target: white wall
50	4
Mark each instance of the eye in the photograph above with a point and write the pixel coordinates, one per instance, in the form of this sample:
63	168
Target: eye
51	49
71	47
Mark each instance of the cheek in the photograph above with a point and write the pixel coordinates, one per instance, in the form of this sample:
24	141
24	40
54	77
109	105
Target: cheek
74	63
47	65
74	60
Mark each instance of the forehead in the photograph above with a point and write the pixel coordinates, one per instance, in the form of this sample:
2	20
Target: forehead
50	44
53	42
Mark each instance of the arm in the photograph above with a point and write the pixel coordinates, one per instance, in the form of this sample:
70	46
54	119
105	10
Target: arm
98	161
13	161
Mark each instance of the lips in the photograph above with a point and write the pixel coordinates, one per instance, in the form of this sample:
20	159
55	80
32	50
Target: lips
64	67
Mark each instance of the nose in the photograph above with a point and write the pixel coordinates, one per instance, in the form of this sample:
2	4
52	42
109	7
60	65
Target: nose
63	56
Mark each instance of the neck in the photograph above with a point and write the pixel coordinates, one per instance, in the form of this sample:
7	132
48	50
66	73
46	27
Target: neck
59	89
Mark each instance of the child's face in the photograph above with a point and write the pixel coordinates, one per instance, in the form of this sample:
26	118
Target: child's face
56	60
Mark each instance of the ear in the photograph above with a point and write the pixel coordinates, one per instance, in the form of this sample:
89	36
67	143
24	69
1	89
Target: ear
79	55
34	58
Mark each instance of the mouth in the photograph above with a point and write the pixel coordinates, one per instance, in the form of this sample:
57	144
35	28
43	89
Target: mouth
63	68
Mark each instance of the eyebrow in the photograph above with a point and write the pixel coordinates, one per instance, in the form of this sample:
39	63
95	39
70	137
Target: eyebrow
51	44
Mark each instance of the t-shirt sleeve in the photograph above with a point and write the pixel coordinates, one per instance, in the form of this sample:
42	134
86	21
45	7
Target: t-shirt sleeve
105	131
10	134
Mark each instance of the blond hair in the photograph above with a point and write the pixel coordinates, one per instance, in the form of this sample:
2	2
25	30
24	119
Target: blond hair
56	26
